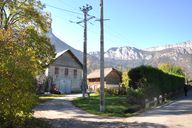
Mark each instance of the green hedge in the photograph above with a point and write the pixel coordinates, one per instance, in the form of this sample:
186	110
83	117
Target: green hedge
154	81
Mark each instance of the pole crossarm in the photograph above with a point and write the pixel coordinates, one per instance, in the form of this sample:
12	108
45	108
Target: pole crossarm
92	17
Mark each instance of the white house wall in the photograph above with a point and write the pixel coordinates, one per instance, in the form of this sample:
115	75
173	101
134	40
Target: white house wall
75	82
66	83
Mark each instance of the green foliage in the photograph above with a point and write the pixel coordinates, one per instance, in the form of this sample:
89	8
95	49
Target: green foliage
171	69
135	96
24	52
17	92
18	14
112	91
153	81
125	80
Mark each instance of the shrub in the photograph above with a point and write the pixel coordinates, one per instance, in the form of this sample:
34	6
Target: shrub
154	81
113	91
109	91
135	96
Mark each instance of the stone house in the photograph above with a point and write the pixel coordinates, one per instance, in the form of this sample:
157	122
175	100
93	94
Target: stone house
65	73
112	78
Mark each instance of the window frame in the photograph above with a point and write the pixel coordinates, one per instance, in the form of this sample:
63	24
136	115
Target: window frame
66	72
56	71
75	73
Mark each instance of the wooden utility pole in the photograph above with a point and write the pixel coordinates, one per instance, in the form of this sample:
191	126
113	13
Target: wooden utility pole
85	10
102	93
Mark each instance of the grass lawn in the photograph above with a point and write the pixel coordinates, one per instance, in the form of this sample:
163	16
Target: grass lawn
44	98
115	106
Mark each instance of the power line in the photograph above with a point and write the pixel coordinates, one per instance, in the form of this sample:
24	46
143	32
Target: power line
63	9
114	33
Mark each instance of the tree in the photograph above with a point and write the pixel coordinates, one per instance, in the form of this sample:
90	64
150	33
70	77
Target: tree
125	80
171	69
22	13
25	51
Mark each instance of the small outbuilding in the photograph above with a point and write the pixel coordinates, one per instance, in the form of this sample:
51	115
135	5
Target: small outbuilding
112	78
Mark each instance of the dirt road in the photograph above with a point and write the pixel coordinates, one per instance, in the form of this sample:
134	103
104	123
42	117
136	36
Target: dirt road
62	114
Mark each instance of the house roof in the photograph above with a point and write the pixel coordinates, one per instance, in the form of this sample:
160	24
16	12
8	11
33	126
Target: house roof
71	53
96	73
61	53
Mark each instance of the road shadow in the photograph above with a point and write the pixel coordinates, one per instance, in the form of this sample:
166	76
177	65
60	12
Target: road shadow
73	123
181	106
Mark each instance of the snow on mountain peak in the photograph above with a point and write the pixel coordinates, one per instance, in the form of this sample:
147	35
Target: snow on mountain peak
179	45
123	53
131	53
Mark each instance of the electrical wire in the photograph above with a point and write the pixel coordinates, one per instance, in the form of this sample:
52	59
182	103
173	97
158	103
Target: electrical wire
113	33
63	9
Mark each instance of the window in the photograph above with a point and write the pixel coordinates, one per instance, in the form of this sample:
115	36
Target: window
75	73
56	71
66	71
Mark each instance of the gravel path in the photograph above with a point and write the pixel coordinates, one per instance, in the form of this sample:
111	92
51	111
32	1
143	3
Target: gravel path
62	114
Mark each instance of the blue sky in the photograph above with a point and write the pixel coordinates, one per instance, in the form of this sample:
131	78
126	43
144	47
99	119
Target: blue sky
135	23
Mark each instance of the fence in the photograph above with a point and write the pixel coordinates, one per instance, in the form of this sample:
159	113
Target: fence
153	103
162	99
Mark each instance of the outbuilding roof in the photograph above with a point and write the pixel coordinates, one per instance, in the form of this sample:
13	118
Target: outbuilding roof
96	73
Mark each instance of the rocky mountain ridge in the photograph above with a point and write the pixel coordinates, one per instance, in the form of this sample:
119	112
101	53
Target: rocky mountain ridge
131	53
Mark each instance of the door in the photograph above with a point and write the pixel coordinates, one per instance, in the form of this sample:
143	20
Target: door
62	86
68	86
65	86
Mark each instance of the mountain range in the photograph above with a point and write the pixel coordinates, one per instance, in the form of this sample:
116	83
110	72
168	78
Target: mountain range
126	57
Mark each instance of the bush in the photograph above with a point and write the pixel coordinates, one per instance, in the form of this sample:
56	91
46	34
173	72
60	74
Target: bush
111	91
114	91
135	96
154	81
133	109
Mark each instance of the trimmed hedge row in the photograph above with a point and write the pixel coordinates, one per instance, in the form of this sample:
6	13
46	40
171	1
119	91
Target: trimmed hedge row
154	81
